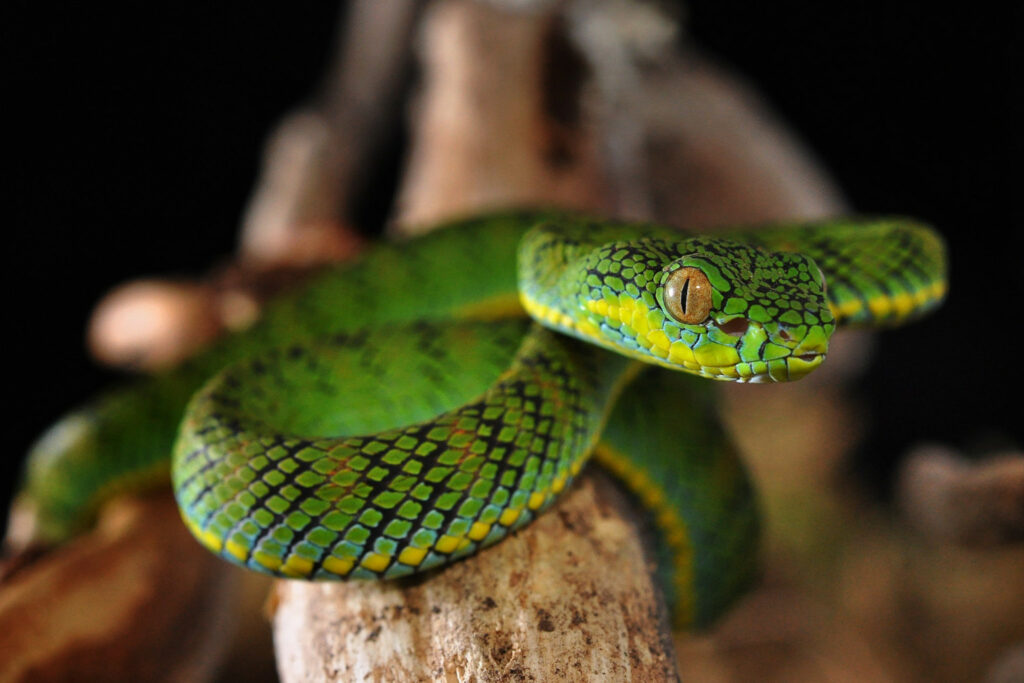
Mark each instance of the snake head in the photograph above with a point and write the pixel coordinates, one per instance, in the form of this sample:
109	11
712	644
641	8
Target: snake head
732	311
712	307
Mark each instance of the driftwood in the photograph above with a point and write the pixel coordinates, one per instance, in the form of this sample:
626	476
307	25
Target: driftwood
570	596
490	126
545	133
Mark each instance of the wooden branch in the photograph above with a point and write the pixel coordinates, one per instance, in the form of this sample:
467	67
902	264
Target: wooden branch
719	156
569	597
484	135
134	599
502	119
315	162
948	498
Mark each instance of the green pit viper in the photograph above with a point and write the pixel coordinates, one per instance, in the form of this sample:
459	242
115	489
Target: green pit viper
401	412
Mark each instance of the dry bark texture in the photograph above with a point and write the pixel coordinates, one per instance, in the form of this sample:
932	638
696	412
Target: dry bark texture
136	599
549	603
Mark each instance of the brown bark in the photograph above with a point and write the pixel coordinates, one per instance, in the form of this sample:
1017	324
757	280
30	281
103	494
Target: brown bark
949	498
135	599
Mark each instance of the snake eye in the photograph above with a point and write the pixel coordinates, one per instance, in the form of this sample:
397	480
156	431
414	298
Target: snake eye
688	295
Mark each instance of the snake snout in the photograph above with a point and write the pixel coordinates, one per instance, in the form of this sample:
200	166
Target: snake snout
813	344
808	353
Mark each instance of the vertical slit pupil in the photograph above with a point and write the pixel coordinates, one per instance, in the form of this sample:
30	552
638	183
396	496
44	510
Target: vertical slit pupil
683	295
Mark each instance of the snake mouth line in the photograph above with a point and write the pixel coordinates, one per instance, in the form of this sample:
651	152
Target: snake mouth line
784	369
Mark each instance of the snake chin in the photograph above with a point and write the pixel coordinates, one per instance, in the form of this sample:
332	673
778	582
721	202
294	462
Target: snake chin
788	369
802	364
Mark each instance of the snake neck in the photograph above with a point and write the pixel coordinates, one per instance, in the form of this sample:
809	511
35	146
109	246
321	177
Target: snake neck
549	261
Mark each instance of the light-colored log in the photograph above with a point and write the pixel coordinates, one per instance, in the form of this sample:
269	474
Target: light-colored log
481	137
567	598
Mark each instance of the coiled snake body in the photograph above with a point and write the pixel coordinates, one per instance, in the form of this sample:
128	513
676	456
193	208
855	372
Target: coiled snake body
400	413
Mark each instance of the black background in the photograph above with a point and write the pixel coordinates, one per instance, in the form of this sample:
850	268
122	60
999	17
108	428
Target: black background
137	133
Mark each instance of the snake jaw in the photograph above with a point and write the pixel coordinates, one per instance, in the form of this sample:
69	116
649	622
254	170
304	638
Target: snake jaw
808	354
799	366
727	347
737	348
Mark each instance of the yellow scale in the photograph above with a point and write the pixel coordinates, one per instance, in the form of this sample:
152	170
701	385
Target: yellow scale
709	359
672	526
901	304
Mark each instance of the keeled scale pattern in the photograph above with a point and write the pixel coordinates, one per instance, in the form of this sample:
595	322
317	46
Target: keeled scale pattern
401	500
122	440
605	284
880	272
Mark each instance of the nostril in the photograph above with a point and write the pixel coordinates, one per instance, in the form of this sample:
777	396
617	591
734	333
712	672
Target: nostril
737	327
785	336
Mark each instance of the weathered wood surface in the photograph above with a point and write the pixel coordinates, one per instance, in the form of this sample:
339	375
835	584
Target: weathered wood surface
567	598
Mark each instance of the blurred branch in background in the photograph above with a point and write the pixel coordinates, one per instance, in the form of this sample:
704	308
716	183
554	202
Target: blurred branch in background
949	499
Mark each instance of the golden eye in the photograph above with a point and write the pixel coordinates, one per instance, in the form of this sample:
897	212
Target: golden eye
688	295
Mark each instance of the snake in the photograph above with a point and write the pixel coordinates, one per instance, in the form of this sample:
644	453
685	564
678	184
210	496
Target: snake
403	411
